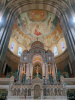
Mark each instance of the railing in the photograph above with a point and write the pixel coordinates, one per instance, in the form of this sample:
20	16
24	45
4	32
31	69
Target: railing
50	90
68	81
6	83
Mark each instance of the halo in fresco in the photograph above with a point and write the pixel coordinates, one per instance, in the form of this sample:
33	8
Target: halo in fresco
45	28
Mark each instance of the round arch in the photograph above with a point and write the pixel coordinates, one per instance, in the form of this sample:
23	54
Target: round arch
59	8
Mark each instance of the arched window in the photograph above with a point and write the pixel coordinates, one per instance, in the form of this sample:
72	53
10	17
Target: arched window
12	46
55	51
19	51
63	46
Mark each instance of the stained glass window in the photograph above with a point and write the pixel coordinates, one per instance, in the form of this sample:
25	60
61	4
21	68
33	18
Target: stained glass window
19	51
63	46
55	51
12	46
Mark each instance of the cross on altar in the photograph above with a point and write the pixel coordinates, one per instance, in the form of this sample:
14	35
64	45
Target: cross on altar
37	38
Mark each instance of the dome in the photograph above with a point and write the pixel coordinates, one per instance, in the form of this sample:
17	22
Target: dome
37	43
25	51
48	51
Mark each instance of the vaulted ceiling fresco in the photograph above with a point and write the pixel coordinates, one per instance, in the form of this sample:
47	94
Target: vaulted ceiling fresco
37	25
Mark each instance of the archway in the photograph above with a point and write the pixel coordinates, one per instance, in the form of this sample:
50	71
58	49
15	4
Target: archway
37	66
15	8
37	92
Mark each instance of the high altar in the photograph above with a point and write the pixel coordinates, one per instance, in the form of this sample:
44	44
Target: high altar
37	76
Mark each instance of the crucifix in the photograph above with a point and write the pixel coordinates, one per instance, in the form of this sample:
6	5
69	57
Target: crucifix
37	38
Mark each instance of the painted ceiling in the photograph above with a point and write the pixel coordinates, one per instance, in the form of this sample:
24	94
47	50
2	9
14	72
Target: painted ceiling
37	25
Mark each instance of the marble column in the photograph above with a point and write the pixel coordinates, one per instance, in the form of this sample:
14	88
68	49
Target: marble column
43	69
54	75
24	68
47	72
32	93
20	74
50	66
27	71
55	69
41	93
31	71
18	67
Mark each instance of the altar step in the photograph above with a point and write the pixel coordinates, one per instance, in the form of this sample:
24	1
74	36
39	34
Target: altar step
42	98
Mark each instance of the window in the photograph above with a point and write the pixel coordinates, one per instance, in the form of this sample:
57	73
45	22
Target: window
19	51
63	46
12	46
55	51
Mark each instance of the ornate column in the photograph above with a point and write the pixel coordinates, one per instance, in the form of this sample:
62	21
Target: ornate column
41	93
43	69
27	71
54	75
24	68
55	69
47	72
18	68
31	71
57	92
20	73
50	66
32	93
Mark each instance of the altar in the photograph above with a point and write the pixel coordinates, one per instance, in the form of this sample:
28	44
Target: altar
37	76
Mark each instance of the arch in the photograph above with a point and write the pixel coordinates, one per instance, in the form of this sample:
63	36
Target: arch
37	84
40	54
57	7
37	58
